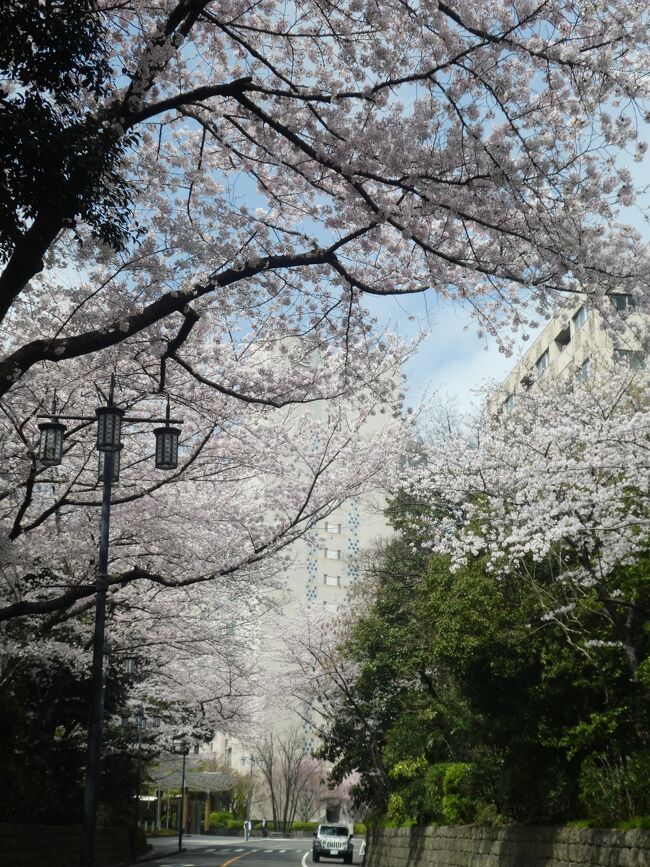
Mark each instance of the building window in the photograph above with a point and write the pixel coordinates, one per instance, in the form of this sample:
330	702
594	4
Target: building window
332	528
229	757
634	358
580	318
527	381
584	370
563	338
509	403
332	554
332	580
196	749
622	301
542	362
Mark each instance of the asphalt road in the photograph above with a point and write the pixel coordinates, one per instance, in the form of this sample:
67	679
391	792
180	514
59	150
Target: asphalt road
208	852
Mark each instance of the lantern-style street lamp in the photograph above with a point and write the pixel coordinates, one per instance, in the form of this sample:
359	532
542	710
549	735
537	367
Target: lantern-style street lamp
116	466
166	445
50	450
129	664
110	420
109	427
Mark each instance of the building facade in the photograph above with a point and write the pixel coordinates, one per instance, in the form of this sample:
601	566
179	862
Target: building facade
577	343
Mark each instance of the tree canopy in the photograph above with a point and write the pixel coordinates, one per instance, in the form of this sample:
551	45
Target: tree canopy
500	670
468	705
199	196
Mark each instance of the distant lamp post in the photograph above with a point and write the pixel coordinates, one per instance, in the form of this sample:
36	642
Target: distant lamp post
140	725
109	419
251	760
183	748
129	664
139	721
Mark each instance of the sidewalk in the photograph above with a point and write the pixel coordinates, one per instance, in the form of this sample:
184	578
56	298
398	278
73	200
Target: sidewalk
161	847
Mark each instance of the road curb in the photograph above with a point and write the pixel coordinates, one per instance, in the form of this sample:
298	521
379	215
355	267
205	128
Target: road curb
150	856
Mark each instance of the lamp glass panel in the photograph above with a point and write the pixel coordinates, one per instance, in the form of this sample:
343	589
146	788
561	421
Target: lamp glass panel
50	450
115	476
166	448
109	428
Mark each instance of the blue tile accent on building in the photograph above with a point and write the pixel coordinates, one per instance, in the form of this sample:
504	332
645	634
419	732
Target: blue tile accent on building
311	580
354	547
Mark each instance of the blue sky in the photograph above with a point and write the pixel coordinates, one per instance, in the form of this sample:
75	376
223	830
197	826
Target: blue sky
452	362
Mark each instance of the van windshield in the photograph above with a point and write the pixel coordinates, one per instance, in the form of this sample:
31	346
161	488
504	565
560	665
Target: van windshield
333	831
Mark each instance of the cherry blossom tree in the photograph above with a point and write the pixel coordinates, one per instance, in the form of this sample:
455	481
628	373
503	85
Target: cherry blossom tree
315	667
561	482
199	195
391	148
195	560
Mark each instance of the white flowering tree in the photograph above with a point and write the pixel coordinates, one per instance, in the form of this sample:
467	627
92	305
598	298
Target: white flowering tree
198	196
559	486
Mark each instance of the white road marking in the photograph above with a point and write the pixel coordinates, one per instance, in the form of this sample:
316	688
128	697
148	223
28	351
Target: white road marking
304	859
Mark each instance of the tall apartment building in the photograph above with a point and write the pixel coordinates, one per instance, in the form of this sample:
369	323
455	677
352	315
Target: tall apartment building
325	567
575	344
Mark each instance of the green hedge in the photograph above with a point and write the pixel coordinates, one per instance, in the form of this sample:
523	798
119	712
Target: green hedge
222	821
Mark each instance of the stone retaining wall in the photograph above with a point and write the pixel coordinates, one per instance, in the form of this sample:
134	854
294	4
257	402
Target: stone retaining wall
517	846
59	846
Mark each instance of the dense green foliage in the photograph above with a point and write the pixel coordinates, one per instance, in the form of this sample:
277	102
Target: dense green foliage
44	710
221	821
472	705
58	160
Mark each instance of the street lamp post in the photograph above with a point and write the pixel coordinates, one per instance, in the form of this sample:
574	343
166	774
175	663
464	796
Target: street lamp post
184	749
141	725
109	421
251	759
139	721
